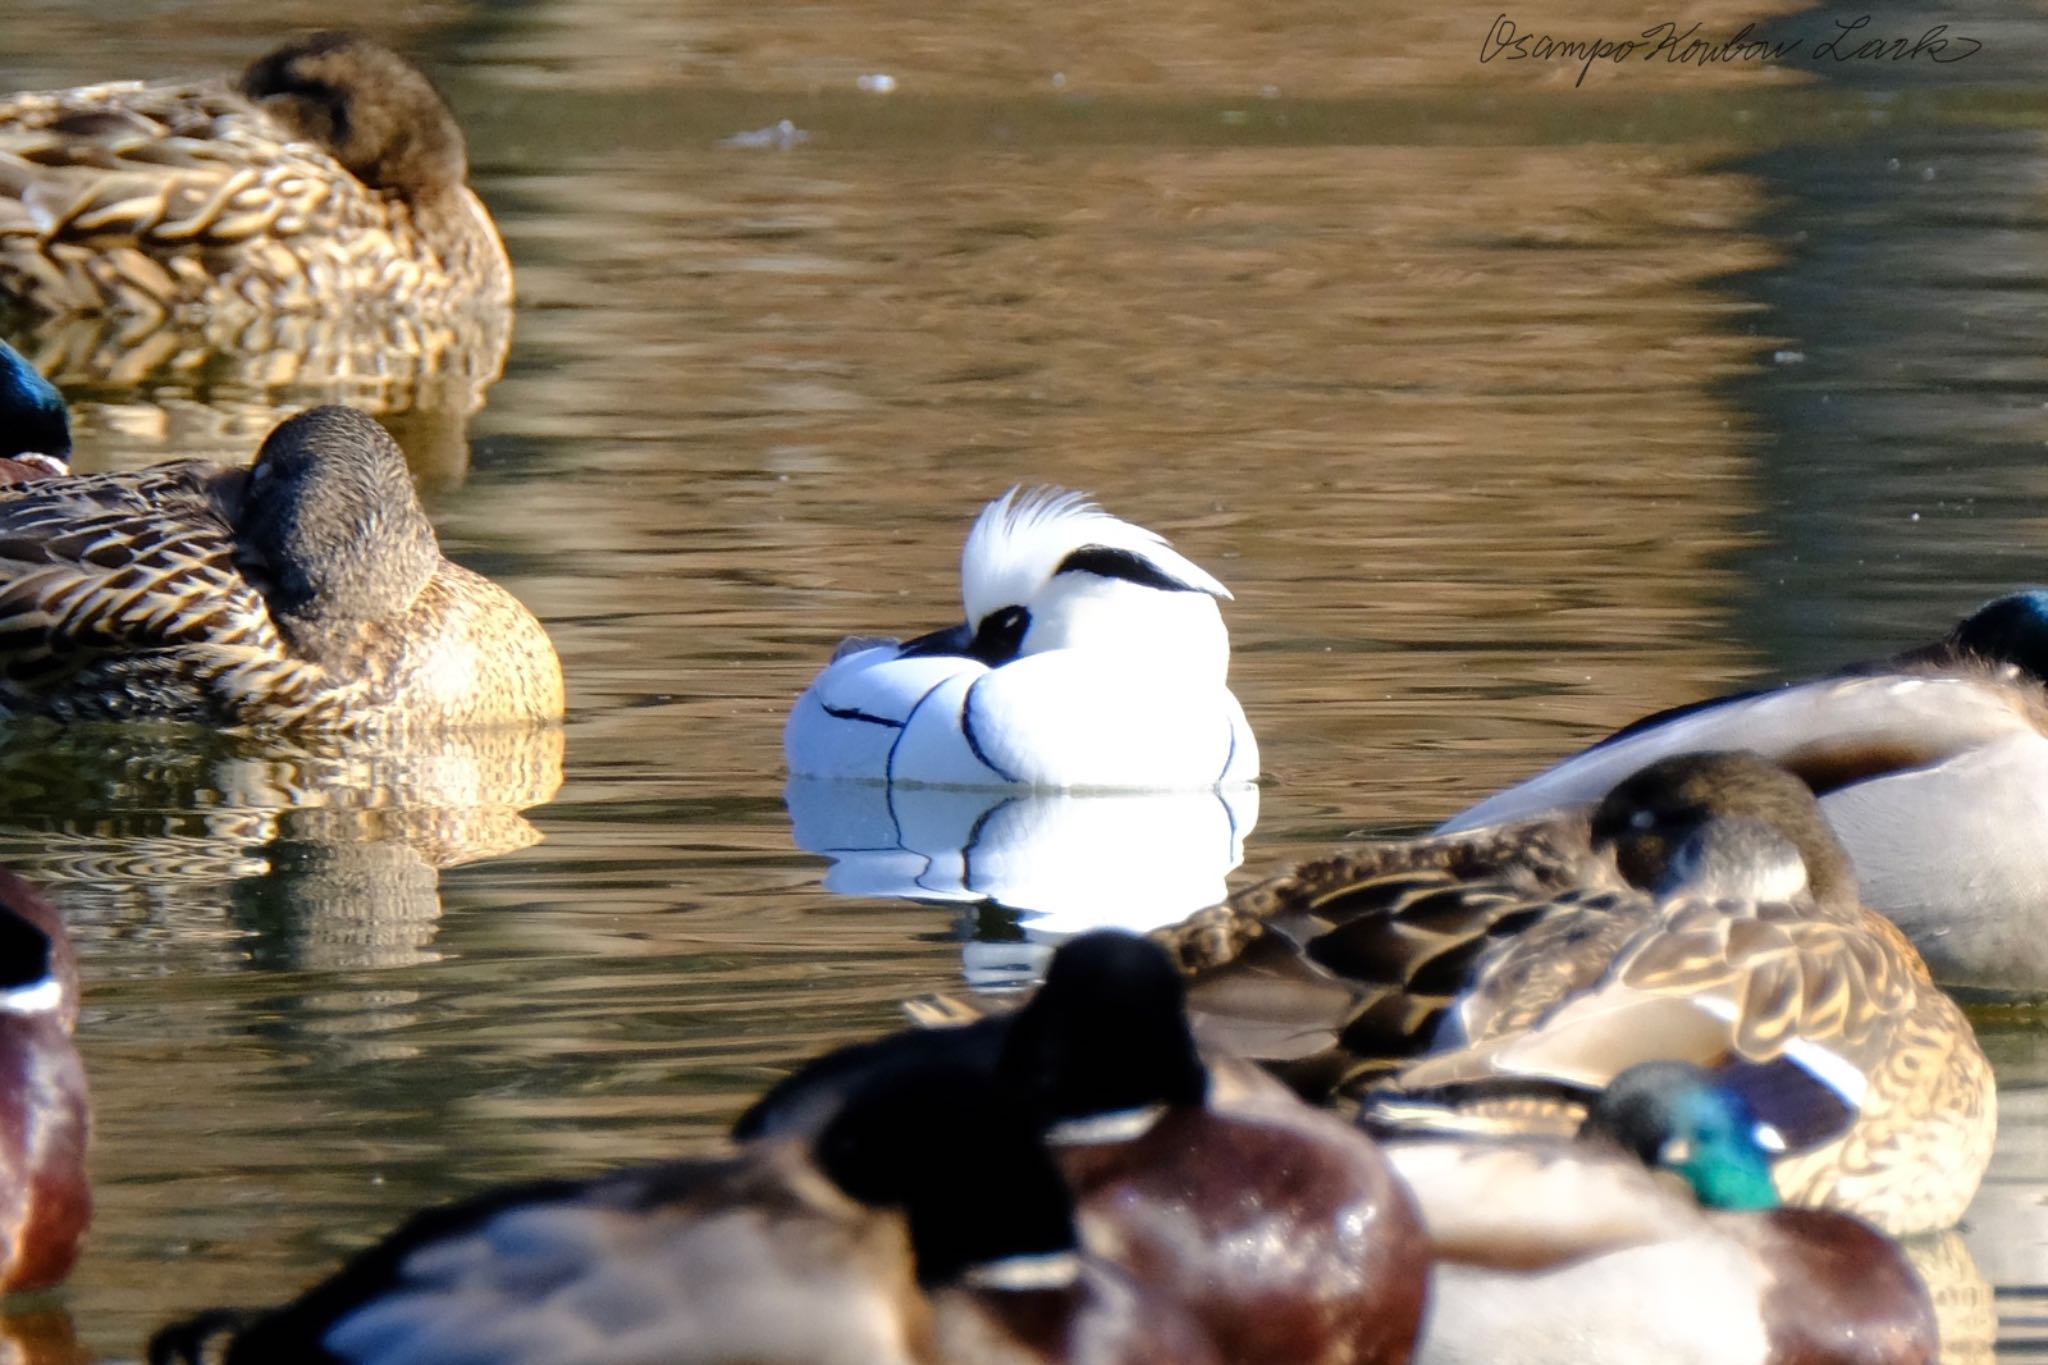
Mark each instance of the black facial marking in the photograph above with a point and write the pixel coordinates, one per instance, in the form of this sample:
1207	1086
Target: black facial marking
1106	562
999	636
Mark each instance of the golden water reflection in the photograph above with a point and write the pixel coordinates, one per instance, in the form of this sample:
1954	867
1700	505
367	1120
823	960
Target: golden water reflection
1465	385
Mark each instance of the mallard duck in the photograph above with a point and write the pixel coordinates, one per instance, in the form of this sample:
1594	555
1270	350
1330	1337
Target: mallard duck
1093	655
924	1224
1572	1253
1276	1225
45	1121
304	592
35	425
331	176
1509	973
1932	767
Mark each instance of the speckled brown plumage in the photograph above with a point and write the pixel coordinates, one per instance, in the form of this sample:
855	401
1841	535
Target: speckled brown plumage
172	594
1506	973
332	177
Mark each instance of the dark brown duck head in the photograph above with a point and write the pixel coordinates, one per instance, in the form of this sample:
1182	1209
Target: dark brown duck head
330	527
370	108
1648	819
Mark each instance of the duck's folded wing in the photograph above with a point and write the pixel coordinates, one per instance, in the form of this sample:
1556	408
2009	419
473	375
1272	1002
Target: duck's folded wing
1709	983
1833	733
115	588
1351	960
102	189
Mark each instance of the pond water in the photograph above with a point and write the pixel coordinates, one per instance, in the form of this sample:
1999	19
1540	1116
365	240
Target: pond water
1510	408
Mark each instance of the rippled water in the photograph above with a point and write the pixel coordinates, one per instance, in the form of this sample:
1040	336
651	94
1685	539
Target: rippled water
1509	410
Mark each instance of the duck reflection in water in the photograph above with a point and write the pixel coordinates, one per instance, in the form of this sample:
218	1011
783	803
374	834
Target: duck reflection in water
316	853
1060	862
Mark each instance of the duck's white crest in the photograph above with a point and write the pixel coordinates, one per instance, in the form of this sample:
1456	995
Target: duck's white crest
1021	539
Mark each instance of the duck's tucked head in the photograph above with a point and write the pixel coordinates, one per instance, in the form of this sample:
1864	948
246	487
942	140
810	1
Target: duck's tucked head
1047	569
962	1159
330	525
1106	1034
2009	630
1735	857
1674	1116
370	108
33	418
1651	814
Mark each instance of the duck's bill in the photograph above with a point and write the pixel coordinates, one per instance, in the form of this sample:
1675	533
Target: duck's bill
952	640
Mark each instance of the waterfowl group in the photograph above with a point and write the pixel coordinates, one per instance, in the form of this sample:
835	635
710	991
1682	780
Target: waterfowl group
330	176
1931	766
1076	1183
1092	655
1637	1072
1702	912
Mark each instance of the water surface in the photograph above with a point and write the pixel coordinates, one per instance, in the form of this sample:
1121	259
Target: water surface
1508	409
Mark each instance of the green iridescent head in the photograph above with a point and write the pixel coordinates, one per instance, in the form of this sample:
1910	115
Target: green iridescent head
1675	1116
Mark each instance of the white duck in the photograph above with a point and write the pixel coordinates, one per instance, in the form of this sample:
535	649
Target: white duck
1093	656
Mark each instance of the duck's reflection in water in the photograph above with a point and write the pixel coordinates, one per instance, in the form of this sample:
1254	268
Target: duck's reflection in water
1038	866
144	390
286	854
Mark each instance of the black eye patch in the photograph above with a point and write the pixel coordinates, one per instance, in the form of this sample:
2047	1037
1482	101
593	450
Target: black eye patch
1106	562
998	637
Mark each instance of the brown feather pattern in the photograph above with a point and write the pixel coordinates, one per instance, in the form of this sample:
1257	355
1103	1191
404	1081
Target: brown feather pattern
176	199
1460	968
121	597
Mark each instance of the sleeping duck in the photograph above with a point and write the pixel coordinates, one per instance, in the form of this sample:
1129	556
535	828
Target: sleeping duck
922	1224
1931	766
305	592
1092	656
1495	979
1277	1225
1571	1252
332	175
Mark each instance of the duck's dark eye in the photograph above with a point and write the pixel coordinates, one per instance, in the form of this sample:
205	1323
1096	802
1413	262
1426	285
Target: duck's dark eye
1000	633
